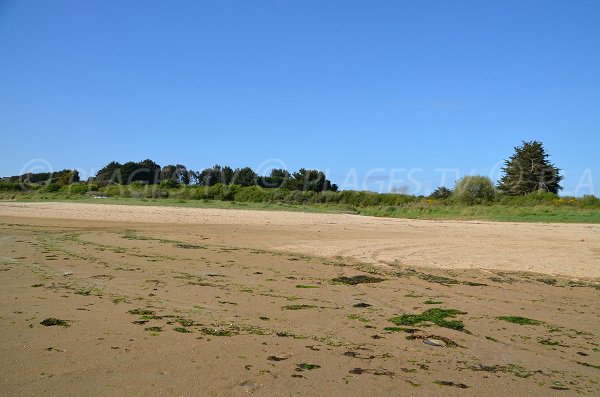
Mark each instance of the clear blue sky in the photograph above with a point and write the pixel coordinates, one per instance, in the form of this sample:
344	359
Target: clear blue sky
370	86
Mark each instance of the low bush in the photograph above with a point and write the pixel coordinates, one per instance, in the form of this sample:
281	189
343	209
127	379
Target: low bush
589	201
476	189
441	193
6	186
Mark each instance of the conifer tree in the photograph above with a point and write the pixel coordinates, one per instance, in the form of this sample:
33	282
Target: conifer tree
529	170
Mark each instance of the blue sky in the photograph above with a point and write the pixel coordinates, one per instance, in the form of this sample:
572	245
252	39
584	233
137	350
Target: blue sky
376	93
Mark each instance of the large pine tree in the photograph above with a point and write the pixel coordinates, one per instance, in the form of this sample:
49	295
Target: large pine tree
529	170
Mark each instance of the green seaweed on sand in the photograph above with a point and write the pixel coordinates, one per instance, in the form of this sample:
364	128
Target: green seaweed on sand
50	322
520	320
436	316
359	279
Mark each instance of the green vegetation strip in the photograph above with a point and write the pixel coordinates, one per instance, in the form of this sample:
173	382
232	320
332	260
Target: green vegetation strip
506	209
50	322
298	307
520	320
359	279
307	366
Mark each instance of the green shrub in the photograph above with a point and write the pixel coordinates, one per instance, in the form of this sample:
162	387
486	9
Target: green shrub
472	190
156	193
441	193
116	191
76	188
10	186
535	198
589	201
169	184
52	187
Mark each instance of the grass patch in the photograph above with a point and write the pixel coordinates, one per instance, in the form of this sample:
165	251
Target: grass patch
548	281
298	307
436	316
359	318
359	279
588	365
549	342
307	366
186	322
504	280
119	299
215	332
51	322
142	312
447	280
153	329
437	279
306	286
432	302
520	320
284	334
189	246
183	330
448	383
401	329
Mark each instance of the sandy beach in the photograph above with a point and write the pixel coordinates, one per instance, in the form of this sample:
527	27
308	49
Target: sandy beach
114	300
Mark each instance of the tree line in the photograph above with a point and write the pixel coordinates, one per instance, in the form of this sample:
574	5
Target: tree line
60	178
169	176
527	171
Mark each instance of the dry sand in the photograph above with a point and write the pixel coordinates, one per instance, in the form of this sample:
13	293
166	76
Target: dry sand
555	249
124	278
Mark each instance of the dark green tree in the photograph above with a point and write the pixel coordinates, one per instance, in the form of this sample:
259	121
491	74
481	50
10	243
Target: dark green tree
182	174
529	170
146	171
278	178
244	177
211	176
110	173
68	177
310	180
178	173
441	193
168	172
227	175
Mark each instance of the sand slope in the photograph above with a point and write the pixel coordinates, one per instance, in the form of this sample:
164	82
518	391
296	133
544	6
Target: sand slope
557	249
